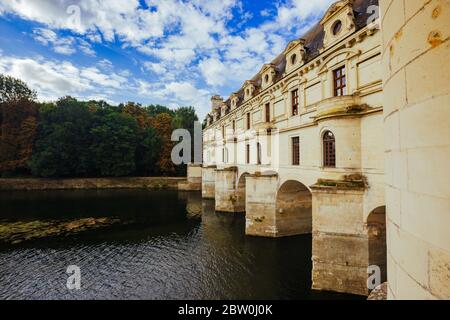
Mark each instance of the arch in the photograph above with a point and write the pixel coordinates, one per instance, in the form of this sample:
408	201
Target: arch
329	149
294	208
349	53
376	231
241	192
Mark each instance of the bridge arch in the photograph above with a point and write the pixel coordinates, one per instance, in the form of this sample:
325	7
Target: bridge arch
376	231
294	209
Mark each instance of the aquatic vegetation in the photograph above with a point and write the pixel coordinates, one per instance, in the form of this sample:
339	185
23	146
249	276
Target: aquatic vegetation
15	232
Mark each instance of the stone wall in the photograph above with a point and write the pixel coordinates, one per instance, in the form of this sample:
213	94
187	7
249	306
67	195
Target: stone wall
209	182
103	183
416	71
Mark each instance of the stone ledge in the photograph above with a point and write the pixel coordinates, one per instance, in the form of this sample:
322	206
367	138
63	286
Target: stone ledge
349	182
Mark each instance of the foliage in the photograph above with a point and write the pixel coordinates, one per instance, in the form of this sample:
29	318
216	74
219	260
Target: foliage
72	138
113	148
163	125
62	147
14	90
18	125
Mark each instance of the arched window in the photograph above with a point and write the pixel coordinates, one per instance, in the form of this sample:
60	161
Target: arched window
329	150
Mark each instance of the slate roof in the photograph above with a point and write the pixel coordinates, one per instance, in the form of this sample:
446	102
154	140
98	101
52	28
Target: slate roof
313	44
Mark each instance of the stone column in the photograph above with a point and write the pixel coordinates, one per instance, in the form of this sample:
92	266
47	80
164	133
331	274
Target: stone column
226	191
261	205
340	242
416	69
194	179
208	182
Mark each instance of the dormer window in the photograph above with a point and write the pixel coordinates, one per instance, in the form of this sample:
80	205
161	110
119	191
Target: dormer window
249	90
293	59
295	54
338	22
268	74
337	27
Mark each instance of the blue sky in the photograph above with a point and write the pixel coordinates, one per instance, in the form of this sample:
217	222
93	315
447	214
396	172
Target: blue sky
171	52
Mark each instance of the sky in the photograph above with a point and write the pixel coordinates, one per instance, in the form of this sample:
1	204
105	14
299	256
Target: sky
169	52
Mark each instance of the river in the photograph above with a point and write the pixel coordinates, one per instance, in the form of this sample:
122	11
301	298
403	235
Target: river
164	245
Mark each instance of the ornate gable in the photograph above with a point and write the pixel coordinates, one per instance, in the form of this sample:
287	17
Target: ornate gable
268	73
295	54
249	88
338	22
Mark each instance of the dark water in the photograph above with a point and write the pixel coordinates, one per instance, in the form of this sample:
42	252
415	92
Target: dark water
169	245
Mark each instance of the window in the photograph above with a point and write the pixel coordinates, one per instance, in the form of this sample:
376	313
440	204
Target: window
293	59
248	121
267	112
223	132
296	151
259	153
266	79
340	82
234	126
295	102
329	150
247	154
225	155
337	27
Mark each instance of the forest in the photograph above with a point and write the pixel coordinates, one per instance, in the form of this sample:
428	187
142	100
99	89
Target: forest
70	138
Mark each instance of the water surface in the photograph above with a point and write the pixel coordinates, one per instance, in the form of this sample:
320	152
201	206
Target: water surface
168	245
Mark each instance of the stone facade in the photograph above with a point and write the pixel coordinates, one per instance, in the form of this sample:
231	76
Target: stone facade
416	73
300	148
250	138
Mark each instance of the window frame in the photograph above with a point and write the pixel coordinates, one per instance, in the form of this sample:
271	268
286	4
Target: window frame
267	112
340	81
329	149
295	98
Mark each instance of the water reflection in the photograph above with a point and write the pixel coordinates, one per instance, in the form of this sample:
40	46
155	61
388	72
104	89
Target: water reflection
169	246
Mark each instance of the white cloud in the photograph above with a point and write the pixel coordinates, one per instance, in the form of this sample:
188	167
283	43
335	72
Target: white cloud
54	79
192	47
62	45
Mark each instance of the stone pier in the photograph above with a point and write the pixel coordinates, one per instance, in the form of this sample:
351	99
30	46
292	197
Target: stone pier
194	179
340	250
209	182
229	191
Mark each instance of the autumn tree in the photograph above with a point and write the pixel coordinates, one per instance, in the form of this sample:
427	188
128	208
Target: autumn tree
18	131
162	123
18	124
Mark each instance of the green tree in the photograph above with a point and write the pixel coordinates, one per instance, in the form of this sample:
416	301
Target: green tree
148	151
185	118
62	148
114	145
14	90
155	110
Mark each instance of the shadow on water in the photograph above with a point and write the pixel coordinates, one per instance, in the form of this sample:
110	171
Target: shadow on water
168	245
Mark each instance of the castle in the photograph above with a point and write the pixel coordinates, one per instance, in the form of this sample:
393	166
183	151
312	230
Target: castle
345	136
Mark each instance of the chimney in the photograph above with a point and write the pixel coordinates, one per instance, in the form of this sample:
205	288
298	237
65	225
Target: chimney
216	103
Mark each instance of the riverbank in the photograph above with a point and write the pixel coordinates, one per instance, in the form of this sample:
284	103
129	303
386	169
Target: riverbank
153	183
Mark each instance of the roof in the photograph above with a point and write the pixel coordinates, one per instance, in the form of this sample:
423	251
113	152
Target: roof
313	44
